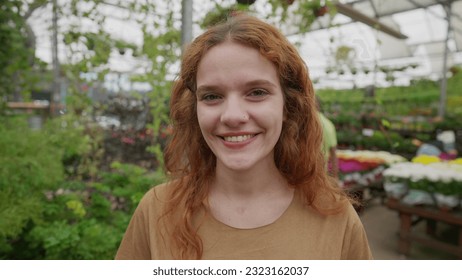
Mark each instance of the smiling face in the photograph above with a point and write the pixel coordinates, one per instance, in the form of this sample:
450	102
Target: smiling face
239	106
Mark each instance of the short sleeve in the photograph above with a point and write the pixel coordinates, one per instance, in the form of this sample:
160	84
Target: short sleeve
355	245
135	243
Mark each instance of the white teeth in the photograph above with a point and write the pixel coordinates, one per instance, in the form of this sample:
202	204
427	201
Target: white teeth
239	138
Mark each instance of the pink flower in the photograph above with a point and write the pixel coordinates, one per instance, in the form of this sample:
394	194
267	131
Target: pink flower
128	140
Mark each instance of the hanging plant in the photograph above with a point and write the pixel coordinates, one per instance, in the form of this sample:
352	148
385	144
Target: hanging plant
320	11
389	77
217	15
329	70
344	54
302	16
454	70
384	69
246	2
307	13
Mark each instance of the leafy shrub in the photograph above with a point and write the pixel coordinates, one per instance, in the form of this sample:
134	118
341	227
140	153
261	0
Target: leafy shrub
28	166
80	143
47	210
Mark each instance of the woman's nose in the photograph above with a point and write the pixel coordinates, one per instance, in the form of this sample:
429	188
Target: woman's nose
234	112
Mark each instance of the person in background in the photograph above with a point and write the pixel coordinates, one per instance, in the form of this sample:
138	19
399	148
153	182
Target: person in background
436	148
329	141
448	139
247	173
432	148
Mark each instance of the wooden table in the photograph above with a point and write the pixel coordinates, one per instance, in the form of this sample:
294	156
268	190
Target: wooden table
431	215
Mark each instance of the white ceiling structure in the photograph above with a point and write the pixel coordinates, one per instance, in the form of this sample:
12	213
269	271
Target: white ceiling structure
420	25
419	37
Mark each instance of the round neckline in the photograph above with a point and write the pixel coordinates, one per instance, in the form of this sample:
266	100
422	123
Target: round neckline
276	221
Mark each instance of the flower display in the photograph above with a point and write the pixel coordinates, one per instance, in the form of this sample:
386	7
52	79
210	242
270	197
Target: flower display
364	167
426	159
362	178
357	161
440	180
440	172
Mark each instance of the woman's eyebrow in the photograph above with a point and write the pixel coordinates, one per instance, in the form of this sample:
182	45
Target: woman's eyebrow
252	83
206	88
260	82
257	82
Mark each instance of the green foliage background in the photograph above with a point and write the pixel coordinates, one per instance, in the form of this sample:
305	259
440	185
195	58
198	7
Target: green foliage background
396	114
48	213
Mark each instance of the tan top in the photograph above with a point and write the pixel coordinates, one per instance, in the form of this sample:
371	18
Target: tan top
300	233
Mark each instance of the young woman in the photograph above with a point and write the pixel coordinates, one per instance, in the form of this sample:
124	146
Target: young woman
248	177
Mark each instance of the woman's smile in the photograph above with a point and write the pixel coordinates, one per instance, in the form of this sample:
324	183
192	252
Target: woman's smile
238	139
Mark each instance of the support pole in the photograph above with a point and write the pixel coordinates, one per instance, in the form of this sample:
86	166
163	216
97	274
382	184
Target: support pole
55	97
186	22
443	89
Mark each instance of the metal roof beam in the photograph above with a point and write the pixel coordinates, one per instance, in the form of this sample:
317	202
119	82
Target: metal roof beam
354	14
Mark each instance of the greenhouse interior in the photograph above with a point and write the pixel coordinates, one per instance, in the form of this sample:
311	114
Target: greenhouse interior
86	87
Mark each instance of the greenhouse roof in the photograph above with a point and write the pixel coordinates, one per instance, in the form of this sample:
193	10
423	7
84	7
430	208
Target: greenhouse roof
406	35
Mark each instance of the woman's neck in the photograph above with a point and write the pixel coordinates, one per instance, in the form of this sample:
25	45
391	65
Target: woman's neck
261	179
249	199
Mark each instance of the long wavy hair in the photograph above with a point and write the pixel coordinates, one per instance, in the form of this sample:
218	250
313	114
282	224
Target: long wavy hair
297	154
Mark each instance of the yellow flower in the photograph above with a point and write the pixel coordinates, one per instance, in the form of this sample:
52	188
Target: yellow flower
76	207
456	161
426	159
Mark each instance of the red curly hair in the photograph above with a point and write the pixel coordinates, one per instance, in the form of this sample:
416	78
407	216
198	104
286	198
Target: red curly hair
298	156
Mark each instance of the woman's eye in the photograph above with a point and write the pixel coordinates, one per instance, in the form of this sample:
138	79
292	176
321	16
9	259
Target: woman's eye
210	97
258	93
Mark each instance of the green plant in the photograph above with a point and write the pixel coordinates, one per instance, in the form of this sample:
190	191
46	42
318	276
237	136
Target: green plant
82	220
44	212
80	143
220	14
16	53
131	182
29	165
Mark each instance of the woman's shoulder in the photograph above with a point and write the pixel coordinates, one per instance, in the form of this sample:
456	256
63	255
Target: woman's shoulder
160	191
154	197
330	202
